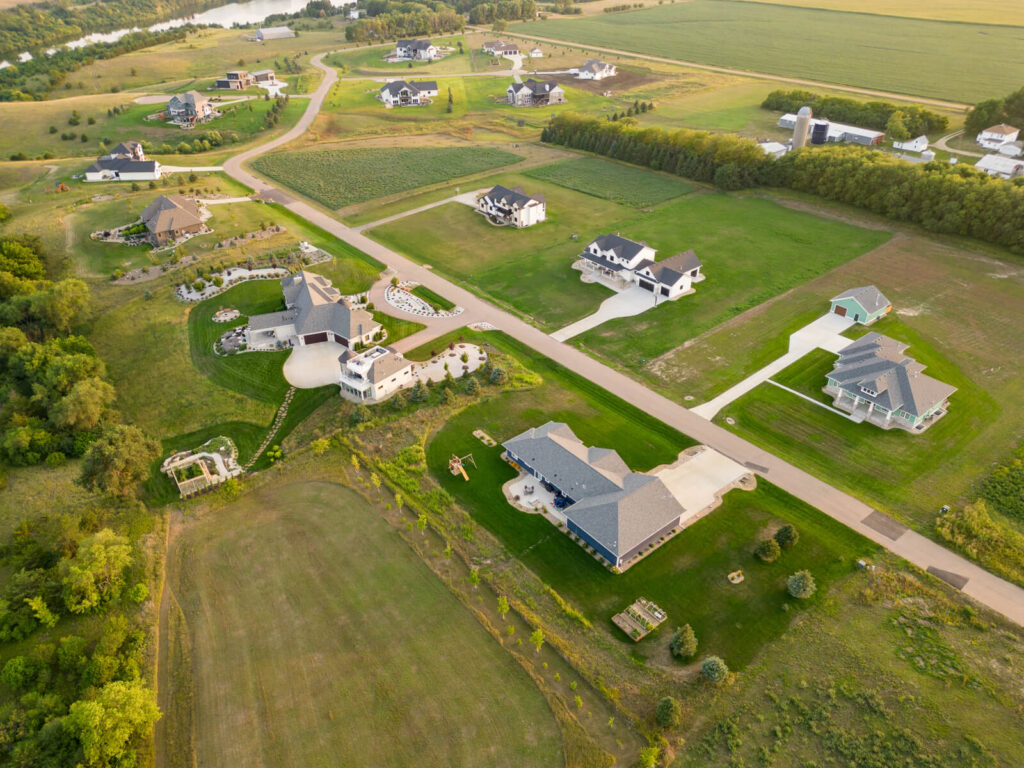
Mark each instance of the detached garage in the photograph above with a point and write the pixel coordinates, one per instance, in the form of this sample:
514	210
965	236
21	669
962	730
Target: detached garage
862	305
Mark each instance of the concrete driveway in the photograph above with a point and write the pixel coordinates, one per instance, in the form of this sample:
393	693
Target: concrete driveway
632	301
313	366
700	478
823	333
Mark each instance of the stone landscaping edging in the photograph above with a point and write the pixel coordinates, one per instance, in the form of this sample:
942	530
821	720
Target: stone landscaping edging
401	297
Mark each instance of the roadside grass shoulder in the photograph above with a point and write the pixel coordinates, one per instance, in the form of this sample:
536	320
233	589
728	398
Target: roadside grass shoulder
371	173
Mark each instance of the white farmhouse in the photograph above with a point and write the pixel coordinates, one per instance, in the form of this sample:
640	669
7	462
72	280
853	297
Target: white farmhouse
626	261
399	93
995	136
512	207
920	144
1001	166
415	50
595	69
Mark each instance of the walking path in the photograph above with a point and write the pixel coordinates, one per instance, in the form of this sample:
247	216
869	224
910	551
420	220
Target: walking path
996	593
466	198
740	72
824	333
632	301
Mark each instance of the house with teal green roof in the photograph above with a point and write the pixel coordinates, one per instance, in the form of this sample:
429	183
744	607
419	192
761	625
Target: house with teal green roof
862	305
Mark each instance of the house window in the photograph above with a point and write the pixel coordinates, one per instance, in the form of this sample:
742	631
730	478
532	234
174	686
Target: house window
867	391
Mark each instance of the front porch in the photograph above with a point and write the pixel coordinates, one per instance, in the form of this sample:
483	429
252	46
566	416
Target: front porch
862	410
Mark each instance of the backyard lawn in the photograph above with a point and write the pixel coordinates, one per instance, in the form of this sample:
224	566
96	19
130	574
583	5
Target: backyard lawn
319	638
687	576
336	178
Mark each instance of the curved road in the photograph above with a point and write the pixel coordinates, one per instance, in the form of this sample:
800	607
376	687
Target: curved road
997	594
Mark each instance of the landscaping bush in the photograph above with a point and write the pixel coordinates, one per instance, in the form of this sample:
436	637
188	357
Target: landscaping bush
768	551
683	644
668	712
801	585
787	536
714	670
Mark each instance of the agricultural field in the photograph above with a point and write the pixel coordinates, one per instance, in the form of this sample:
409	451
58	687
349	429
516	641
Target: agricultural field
686	576
998	12
336	178
274	592
981	355
820	45
625	184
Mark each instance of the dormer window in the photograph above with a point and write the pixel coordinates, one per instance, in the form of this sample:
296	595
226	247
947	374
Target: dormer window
869	391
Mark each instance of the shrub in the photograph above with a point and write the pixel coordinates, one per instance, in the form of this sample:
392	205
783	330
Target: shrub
668	712
683	644
801	585
714	669
768	551
787	536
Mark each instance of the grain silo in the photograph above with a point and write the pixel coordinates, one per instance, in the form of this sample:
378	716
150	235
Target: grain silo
803	125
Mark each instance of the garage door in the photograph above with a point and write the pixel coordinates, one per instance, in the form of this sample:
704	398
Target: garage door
841	311
314	338
647	286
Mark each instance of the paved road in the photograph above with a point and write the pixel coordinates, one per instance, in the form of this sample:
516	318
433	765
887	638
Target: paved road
744	73
997	594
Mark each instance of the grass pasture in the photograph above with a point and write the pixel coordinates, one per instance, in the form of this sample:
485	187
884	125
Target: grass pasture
624	184
998	12
822	45
686	577
304	652
336	178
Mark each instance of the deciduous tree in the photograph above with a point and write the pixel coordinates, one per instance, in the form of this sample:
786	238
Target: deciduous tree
118	460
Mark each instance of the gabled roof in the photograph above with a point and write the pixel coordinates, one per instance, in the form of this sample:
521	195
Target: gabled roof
416	45
620	246
126	148
877	363
1010	166
869	297
1002	129
617	507
671	270
514	197
595	65
536	87
170	213
122	165
397	86
320	307
190	98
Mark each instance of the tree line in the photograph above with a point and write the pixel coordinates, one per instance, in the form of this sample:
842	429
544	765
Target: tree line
1009	109
941	198
35	27
396	24
876	115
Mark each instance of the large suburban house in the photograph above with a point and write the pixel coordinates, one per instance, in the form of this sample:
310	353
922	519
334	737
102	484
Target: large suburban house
535	93
626	261
513	207
501	48
374	374
125	162
874	381
594	69
236	80
1001	166
170	217
996	136
399	93
273	33
314	312
616	511
189	108
414	50
822	131
863	305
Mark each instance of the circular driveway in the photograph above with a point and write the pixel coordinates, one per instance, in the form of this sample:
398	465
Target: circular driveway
314	366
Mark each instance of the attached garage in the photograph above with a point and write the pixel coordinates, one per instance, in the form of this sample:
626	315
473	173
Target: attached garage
839	309
647	286
314	338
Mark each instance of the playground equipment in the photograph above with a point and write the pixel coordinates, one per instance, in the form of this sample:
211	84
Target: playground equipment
455	465
62	187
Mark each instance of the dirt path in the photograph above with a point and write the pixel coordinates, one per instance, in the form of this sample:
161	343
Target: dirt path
163	682
744	73
942	144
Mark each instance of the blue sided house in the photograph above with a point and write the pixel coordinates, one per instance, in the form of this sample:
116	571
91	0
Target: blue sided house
616	511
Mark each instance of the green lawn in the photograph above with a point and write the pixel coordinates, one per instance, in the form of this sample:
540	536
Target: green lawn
752	250
686	576
883	467
625	184
336	178
846	48
437	301
319	638
370	61
807	375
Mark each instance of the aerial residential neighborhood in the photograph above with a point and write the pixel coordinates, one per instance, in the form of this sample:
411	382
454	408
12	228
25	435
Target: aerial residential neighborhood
560	385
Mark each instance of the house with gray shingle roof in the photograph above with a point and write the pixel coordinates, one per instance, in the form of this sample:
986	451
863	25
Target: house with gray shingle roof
595	69
414	50
875	381
399	93
375	374
170	217
617	512
512	206
863	305
315	312
622	262
535	93
189	108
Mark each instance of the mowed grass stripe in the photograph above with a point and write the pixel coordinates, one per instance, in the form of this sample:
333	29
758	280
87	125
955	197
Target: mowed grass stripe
926	58
321	639
620	183
339	177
